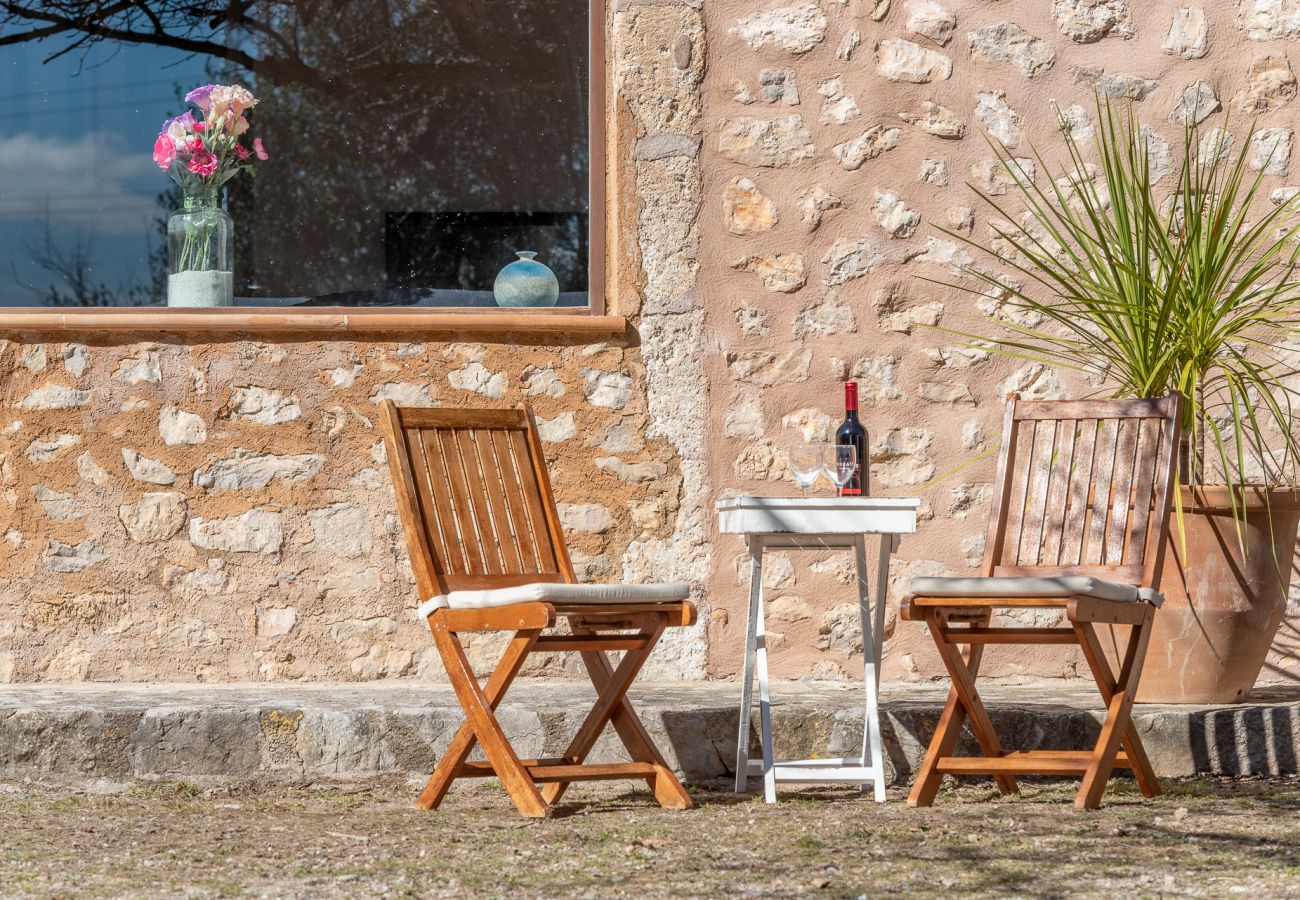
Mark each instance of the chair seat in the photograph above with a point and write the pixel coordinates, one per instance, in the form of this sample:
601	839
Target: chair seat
557	592
1059	586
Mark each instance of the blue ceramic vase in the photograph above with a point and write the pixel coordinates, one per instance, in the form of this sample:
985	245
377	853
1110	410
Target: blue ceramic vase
526	282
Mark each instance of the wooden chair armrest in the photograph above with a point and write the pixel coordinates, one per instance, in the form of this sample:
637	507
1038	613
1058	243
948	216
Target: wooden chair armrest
1108	612
516	617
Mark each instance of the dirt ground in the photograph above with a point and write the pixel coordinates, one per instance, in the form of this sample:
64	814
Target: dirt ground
1210	838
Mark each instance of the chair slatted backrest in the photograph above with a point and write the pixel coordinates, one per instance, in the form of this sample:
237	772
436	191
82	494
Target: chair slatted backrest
474	498
1084	488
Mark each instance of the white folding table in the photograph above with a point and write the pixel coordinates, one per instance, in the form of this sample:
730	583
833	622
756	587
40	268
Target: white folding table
815	523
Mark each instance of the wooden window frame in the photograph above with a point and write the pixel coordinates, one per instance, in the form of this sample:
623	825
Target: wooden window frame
594	321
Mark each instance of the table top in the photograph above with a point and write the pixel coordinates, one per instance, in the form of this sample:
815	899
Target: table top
817	515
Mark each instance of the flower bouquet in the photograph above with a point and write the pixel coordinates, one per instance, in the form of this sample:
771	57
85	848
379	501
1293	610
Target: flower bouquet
201	153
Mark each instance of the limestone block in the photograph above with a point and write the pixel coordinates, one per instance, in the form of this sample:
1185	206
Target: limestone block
254	531
1270	85
142	368
57	505
1197	103
1009	43
1187	33
849	259
796	29
559	428
870	144
1268	20
1088	21
1001	121
1034	382
632	473
831	315
544	382
893	215
40	451
906	61
247	469
745	418
930	19
746	209
812	424
66	559
770	143
778	86
937	120
815	203
76	359
1115	86
934	171
143	468
176	426
154	517
1271	151
591	518
765	368
781	273
263	406
477	378
55	396
611	390
89	470
344	528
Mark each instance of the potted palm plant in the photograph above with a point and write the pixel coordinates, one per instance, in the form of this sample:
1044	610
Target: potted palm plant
1190	287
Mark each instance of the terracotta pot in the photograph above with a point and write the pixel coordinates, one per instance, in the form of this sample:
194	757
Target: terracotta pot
1222	609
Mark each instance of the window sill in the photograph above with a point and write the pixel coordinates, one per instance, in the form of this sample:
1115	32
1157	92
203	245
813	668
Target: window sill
324	320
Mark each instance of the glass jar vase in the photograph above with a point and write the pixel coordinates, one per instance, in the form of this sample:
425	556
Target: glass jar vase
200	251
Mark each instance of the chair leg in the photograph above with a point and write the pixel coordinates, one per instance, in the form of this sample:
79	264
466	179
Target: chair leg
482	721
1143	774
963	702
1118	721
962	667
611	695
668	791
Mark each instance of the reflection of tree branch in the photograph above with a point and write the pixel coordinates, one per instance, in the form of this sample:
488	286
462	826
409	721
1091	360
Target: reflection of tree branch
93	22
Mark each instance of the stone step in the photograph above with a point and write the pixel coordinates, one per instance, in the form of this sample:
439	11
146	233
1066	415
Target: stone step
348	731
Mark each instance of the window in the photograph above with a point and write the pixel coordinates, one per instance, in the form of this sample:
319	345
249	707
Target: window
414	146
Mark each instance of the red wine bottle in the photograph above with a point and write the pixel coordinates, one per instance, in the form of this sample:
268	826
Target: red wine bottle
851	433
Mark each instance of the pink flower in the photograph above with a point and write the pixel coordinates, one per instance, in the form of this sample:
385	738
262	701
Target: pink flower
202	162
164	151
199	127
241	151
194	145
259	149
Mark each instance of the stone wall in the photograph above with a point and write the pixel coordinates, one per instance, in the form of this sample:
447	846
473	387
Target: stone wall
222	511
841	139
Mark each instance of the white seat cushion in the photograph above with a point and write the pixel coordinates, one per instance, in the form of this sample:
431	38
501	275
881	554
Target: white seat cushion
554	592
1061	586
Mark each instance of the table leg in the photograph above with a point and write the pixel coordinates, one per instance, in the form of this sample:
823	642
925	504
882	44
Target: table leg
764	706
751	642
872	751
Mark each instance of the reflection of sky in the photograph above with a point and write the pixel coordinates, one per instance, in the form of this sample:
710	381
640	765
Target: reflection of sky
75	142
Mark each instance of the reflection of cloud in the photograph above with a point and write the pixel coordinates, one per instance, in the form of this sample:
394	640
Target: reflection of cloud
91	182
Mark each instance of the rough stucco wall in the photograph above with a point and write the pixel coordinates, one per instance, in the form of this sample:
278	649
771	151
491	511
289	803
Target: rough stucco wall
840	137
251	534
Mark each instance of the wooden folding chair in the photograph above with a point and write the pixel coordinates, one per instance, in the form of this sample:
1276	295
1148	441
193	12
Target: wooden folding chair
1079	517
489	555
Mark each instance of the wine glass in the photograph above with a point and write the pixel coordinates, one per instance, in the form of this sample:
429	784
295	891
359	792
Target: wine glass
806	465
839	462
